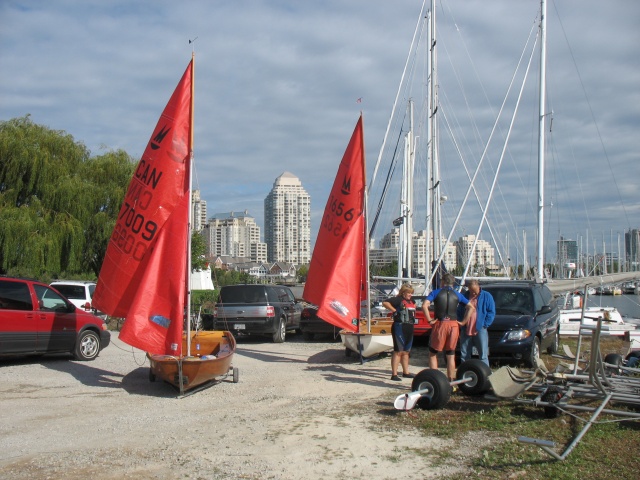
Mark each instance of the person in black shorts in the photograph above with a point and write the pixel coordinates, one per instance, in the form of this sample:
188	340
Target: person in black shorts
404	316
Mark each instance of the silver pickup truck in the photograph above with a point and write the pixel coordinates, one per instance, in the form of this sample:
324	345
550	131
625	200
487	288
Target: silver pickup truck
257	309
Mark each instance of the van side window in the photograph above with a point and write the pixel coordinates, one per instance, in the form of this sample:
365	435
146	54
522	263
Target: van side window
49	300
15	296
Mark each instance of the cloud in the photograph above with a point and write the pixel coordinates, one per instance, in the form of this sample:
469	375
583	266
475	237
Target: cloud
277	84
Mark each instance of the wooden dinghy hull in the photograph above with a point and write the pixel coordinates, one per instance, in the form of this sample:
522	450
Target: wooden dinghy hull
210	360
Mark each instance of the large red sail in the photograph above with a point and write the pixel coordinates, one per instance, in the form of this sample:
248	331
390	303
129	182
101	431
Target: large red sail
335	278
143	276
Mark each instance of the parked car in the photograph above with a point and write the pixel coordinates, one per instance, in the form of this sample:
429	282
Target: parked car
422	328
80	293
35	319
257	309
312	325
526	322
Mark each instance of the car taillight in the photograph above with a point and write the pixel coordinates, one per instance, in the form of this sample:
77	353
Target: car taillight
87	306
271	312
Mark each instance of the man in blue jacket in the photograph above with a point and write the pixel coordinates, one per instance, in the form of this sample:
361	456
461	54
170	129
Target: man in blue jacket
474	330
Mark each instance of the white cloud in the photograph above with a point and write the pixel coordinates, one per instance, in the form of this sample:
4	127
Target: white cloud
277	83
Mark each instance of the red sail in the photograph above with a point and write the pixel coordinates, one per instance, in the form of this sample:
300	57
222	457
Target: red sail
335	278
143	276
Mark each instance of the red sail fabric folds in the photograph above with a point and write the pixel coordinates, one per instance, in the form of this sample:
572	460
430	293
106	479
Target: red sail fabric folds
143	276
336	273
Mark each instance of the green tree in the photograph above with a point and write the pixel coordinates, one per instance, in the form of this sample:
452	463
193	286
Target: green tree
58	205
198	251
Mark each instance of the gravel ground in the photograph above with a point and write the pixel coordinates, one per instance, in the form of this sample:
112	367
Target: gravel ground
300	410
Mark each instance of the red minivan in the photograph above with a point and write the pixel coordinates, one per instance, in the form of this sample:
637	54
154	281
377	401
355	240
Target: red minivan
35	319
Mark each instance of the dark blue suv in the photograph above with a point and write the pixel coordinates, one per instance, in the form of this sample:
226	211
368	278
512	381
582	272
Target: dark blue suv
526	321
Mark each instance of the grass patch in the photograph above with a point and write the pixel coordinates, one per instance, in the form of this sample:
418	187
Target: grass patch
609	450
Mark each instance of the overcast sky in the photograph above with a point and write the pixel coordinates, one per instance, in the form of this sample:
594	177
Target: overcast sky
277	84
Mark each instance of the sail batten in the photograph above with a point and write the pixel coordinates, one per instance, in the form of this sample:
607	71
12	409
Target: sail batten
143	276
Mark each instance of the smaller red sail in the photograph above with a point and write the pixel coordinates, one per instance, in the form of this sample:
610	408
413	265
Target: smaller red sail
143	275
334	281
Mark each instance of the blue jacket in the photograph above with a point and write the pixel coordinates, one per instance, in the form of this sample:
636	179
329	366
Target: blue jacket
486	310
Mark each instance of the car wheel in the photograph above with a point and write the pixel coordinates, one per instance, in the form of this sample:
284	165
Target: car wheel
555	344
479	373
438	389
532	361
87	346
281	332
308	336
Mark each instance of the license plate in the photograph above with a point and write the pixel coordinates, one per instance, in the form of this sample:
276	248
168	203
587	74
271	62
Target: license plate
474	351
239	326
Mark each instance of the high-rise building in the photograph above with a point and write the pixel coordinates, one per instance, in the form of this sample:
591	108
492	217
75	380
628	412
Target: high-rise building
199	211
567	251
287	221
482	257
234	234
420	265
632	248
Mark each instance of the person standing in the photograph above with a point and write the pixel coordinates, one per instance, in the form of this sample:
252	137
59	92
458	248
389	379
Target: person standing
474	333
404	316
446	330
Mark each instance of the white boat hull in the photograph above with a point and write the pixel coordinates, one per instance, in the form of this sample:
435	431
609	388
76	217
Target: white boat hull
367	344
612	322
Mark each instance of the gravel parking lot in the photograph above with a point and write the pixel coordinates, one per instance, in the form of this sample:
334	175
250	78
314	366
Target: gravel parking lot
301	410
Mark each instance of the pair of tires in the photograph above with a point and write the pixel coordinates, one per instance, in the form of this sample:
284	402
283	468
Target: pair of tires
436	389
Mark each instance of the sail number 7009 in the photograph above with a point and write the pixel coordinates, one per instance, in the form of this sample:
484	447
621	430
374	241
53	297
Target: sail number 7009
132	224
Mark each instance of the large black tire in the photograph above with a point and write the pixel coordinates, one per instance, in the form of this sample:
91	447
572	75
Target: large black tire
437	384
87	346
555	343
614	359
479	372
532	360
281	332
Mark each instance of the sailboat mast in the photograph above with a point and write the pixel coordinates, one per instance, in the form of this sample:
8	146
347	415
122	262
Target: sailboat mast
541	135
429	209
366	233
190	223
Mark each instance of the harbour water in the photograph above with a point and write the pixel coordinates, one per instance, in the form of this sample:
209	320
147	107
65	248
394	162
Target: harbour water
627	304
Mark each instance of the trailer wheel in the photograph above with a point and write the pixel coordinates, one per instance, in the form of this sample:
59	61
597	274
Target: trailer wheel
236	375
479	372
437	386
613	359
347	352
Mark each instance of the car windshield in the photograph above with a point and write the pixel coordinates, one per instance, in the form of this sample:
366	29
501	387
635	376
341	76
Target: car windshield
510	300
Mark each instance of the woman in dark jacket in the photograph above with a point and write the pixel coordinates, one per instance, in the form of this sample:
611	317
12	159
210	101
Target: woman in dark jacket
404	317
